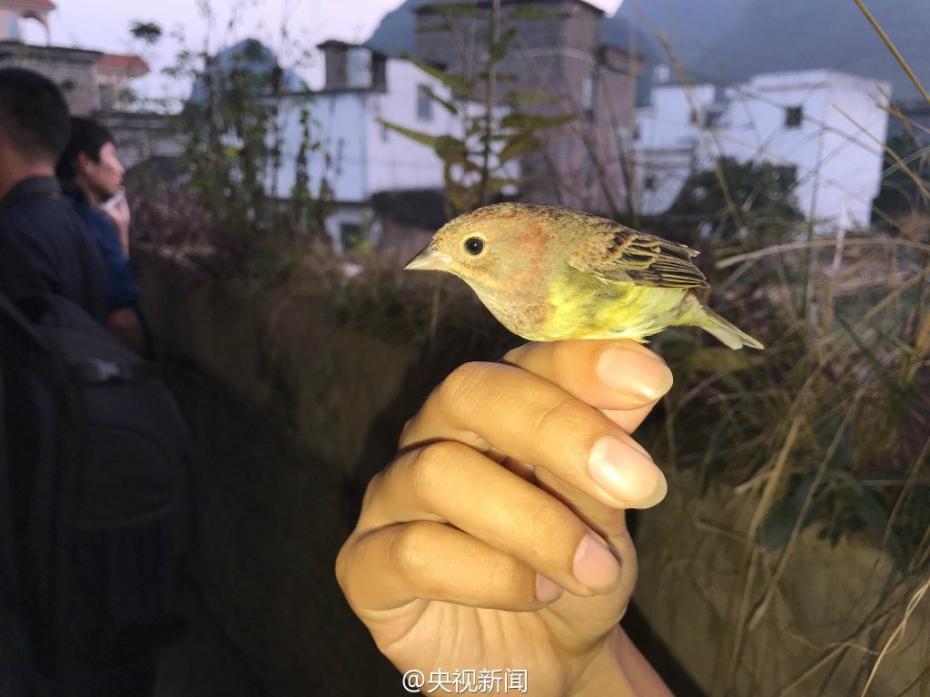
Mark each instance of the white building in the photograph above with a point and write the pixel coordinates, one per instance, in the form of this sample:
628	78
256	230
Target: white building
829	126
360	156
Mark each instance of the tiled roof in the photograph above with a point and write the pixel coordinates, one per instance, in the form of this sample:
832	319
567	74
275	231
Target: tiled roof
43	5
125	63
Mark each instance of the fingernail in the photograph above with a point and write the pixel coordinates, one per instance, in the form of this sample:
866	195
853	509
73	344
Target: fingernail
595	566
634	372
624	471
547	590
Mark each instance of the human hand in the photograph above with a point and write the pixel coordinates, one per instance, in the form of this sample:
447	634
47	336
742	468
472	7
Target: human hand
117	210
482	544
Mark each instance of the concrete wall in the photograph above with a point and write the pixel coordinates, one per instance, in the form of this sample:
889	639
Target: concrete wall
74	70
395	161
285	409
837	161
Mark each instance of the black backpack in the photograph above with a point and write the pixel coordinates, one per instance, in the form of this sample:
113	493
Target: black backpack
94	464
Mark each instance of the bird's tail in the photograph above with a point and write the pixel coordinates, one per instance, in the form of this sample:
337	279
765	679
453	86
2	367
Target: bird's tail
727	333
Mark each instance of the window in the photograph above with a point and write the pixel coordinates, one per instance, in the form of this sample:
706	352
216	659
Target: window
793	116
424	103
710	118
587	97
649	183
351	235
107	97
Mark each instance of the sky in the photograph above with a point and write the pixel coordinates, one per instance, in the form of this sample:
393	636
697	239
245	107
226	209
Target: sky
104	25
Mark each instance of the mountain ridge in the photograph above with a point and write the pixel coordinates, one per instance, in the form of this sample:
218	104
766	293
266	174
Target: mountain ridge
731	40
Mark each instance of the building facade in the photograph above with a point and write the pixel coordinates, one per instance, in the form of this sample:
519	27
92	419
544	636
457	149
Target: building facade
828	126
95	83
556	52
360	157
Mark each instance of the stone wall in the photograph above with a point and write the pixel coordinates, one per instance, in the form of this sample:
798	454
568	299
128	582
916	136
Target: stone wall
72	69
291	418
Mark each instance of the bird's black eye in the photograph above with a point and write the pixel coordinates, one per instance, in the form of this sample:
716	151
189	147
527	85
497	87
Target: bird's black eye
474	245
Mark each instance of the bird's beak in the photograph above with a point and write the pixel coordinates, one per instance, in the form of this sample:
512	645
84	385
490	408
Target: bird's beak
429	260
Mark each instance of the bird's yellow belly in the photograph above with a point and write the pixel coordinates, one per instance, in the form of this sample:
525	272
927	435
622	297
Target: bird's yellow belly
597	310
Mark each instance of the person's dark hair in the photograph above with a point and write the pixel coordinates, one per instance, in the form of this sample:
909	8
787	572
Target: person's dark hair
87	137
33	114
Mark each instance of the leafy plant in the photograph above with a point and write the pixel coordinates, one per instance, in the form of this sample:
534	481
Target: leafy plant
234	154
494	130
762	192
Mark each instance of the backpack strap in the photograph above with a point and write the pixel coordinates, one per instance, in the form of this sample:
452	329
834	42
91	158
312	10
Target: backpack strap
17	663
13	316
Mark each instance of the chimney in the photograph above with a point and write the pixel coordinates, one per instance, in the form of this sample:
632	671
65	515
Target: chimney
336	62
350	66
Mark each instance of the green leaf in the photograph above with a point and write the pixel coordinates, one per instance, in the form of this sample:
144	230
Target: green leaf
444	103
518	146
500	47
874	514
475	126
779	523
530	96
522	121
420	137
455	82
452	150
498	183
893	387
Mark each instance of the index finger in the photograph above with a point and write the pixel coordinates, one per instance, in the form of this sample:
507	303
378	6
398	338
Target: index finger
493	406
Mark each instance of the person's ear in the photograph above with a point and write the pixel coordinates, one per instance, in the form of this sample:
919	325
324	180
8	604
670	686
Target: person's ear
82	164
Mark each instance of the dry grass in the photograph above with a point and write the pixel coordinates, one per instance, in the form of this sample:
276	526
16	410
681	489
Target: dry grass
828	429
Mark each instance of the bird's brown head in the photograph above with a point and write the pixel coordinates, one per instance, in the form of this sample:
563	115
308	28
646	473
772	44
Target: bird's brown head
502	247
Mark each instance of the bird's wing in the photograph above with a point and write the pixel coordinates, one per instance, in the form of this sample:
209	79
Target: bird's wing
616	253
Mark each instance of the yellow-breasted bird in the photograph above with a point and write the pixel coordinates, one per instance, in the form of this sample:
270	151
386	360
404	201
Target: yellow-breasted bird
550	273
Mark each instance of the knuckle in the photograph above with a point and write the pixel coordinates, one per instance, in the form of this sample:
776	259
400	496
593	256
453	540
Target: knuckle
461	381
508	580
430	467
554	416
411	548
342	561
375	485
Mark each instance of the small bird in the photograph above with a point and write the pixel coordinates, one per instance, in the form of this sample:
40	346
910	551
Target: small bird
549	273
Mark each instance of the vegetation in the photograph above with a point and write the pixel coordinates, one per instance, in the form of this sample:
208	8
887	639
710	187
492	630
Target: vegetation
227	198
827	430
479	157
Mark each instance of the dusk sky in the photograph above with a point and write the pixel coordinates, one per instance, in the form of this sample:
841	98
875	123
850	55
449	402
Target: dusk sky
104	25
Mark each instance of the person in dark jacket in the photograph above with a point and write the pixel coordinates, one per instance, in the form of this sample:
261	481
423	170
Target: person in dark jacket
120	566
92	176
44	246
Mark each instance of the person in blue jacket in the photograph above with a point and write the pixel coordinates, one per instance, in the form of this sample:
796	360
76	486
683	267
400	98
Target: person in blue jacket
92	176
